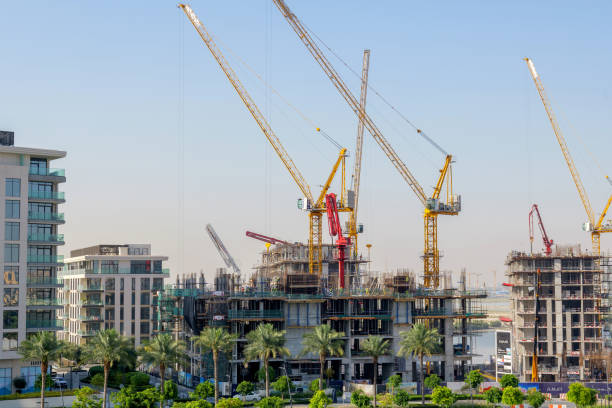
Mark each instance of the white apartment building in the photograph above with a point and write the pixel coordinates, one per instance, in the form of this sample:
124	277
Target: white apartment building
29	233
111	286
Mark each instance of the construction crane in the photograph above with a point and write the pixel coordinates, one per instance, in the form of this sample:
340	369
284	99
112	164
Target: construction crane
314	208
354	229
433	206
225	255
335	229
592	225
548	243
265	238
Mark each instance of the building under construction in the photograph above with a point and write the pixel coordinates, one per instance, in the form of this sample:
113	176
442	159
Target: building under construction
283	293
559	307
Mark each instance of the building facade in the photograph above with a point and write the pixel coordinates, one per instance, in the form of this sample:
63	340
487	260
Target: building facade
111	286
558	312
30	239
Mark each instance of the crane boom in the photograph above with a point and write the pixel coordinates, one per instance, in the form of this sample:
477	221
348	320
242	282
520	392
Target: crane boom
351	100
265	238
248	101
547	241
225	255
566	154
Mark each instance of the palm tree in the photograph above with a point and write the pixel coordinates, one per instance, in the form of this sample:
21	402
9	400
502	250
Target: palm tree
43	347
375	346
325	342
265	342
419	341
162	351
217	340
107	348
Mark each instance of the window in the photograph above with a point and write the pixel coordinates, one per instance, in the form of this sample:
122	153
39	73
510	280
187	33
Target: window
121	314
38	166
144	299
11	296
133	313
109	299
140	267
145	284
5	380
10	319
121	298
109	314
11	275
11	231
121	287
144	328
13	187
133	297
145	313
12	209
157	266
40	186
9	342
11	253
158	283
109	284
40	230
110	266
122	328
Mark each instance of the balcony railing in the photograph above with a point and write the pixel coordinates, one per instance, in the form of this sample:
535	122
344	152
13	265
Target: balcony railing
43	302
45	258
44	324
38	216
58	238
90	287
44	171
87	333
90	318
44	281
255	314
91	302
46	195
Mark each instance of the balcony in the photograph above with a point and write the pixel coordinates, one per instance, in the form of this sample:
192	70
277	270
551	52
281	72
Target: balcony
87	333
57	196
44	325
46	238
44	171
91	302
92	287
90	318
35	302
44	282
46	259
255	314
46	217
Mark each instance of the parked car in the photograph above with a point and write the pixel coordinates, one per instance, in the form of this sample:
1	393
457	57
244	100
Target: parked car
249	397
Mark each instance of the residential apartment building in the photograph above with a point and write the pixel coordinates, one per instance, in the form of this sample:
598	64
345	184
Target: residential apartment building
30	239
111	286
558	312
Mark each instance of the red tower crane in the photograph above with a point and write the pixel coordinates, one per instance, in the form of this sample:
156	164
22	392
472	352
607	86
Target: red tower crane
547	242
264	238
335	229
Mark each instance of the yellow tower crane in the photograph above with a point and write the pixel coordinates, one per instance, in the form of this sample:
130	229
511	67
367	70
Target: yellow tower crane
595	227
314	208
433	206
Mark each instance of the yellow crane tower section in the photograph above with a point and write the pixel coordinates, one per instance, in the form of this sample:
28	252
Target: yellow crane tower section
315	209
433	206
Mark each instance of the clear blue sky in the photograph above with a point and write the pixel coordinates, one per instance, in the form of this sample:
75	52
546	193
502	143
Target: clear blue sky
159	144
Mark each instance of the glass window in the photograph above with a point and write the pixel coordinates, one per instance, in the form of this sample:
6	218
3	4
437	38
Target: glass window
121	298
12	209
133	313
13	187
140	267
11	253
145	284
110	266
10	318
145	313
158	283
109	299
9	342
144	328
133	297
11	275
109	314
144	299
121	314
5	378
157	266
11	231
11	296
110	284
38	166
121	328
122	285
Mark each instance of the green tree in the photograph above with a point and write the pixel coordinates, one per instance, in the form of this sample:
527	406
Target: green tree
443	396
261	374
419	341
402	399
265	342
229	403
360	400
393	382
315	384
324	342
19	383
375	346
44	347
508	380
217	340
107	348
170	391
473	380
162	352
581	395
203	390
535	398
283	384
493	395
98	380
245	388
432	381
270	402
512	396
86	398
319	400
128	397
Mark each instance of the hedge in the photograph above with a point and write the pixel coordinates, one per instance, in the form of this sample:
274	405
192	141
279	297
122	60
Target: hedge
36	394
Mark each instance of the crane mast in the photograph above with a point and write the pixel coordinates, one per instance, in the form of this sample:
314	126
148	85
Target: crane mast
225	255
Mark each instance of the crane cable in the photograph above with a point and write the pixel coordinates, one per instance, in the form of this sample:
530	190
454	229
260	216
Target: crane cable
271	88
418	130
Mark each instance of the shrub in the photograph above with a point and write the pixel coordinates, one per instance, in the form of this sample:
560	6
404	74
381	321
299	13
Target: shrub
170	390
384	400
443	397
128	397
193	404
581	395
508	380
96	370
393	382
402	398
98	380
319	400
360	400
245	388
535	398
493	395
203	390
432	381
139	380
20	383
314	385
85	398
270	402
229	403
512	396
